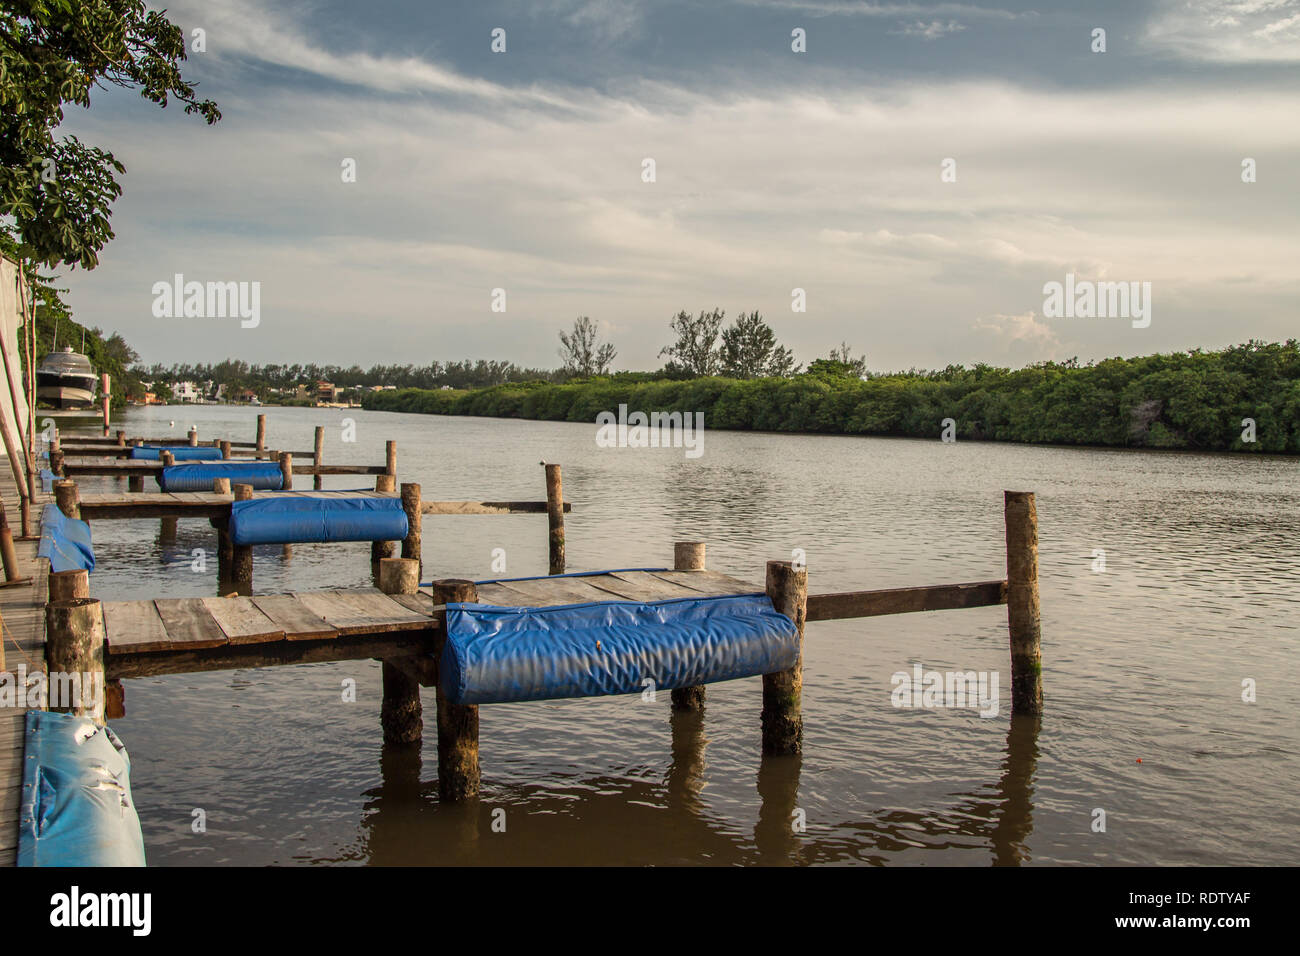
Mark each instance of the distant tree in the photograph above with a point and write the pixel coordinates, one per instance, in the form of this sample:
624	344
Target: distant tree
582	352
844	356
750	350
695	352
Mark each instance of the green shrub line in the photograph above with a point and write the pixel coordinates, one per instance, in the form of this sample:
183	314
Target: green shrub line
1192	400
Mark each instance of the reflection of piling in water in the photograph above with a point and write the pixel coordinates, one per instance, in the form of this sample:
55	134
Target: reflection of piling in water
685	779
775	836
1015	791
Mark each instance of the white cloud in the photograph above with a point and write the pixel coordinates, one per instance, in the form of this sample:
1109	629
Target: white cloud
930	31
1230	31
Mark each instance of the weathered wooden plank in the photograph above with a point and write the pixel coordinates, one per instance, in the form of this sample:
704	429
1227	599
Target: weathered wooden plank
364	611
708	582
134	626
548	592
939	597
339	469
486	507
298	623
189	622
419	603
242	621
641	586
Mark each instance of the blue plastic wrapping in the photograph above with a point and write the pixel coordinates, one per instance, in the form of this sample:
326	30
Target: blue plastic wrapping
76	807
289	520
47	480
179	452
502	654
65	541
197	476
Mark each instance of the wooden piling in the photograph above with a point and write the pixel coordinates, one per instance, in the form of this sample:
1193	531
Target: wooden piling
286	471
555	517
1024	623
241	555
318	455
688	556
402	713
787	587
380	550
74	656
121	438
390	459
194	437
225	554
261	435
225	451
69	585
413	544
135	483
9	557
56	461
105	399
167	526
65	496
458	766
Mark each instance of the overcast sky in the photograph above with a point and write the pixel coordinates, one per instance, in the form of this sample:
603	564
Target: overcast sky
775	170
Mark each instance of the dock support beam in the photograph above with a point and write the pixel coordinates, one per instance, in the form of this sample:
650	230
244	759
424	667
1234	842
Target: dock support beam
225	450
10	558
413	544
379	550
458	768
225	552
167	526
69	585
402	713
241	563
193	437
1024	624
688	556
261	435
74	645
787	587
104	389
555	517
390	459
286	471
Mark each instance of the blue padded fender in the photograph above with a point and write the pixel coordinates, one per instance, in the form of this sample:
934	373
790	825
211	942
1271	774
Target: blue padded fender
179	452
65	541
197	476
76	807
289	520
502	654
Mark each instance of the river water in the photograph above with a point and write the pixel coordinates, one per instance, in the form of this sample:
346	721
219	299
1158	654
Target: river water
1143	663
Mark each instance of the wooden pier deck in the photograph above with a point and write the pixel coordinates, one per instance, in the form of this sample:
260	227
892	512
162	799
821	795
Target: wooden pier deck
23	609
180	635
208	504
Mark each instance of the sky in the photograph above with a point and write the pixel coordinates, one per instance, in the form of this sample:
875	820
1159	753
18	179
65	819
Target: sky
774	170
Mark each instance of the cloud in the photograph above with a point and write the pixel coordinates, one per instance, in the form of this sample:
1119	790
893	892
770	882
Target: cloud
929	31
1023	328
864	8
1227	31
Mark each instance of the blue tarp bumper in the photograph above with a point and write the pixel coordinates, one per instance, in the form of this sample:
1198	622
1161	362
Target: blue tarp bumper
291	520
179	452
197	476
47	480
76	807
65	541
501	654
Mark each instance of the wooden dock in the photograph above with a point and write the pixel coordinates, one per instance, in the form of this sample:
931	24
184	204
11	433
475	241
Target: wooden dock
209	504
23	610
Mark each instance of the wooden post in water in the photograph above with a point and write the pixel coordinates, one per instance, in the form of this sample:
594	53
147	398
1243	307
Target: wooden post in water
74	656
787	587
555	517
318	455
69	585
121	438
1024	624
225	553
65	496
458	768
390	459
261	435
688	556
135	482
104	400
241	563
167	526
402	713
225	450
56	461
379	550
194	437
413	544
286	471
